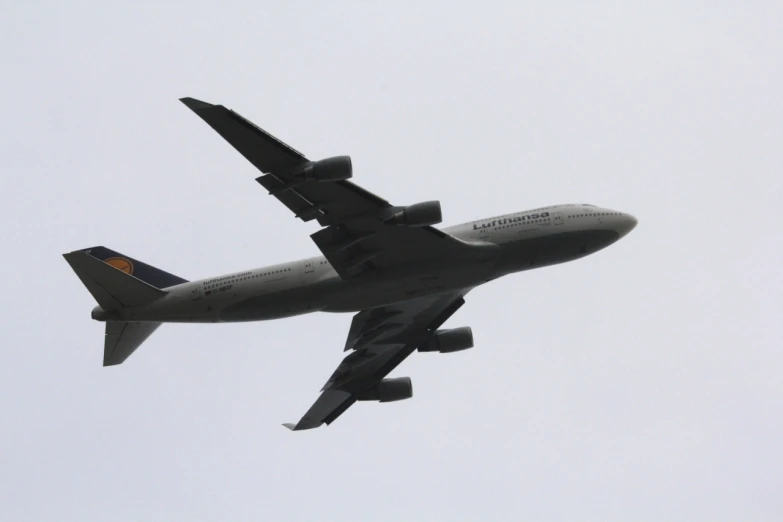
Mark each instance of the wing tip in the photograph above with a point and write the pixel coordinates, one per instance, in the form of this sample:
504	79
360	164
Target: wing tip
195	104
296	427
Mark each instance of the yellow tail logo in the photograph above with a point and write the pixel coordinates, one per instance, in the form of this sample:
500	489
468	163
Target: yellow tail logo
121	264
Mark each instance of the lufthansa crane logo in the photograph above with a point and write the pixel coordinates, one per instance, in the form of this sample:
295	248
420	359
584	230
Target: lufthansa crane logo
121	264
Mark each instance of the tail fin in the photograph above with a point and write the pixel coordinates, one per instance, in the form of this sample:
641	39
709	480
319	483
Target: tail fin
118	281
122	339
149	274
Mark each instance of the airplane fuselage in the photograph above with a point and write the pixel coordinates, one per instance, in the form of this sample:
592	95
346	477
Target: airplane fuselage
502	245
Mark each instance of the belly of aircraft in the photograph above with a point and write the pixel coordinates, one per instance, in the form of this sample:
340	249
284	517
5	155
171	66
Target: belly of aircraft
551	249
338	295
435	280
373	290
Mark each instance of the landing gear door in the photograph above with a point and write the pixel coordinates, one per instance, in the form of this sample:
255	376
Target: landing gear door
558	218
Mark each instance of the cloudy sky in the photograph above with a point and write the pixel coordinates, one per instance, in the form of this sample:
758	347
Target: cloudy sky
641	383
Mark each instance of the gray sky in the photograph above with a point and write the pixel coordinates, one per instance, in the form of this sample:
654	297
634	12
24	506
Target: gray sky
641	383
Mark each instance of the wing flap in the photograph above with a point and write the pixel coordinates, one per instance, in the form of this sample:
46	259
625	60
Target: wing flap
387	246
336	201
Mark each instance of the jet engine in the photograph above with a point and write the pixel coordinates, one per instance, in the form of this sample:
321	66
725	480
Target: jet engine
418	215
389	390
447	341
329	169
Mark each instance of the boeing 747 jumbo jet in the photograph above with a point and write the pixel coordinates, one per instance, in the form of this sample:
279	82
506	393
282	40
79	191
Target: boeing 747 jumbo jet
387	264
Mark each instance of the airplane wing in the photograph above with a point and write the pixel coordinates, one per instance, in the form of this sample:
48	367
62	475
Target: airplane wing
380	339
356	238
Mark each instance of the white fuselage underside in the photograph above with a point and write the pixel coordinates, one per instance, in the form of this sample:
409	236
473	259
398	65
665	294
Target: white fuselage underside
503	245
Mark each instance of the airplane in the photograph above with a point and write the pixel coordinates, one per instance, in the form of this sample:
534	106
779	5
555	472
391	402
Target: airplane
387	264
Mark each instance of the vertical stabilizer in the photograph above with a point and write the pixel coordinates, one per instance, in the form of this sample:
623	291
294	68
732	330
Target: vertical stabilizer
112	287
138	269
117	282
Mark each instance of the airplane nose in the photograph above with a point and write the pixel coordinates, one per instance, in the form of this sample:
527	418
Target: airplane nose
625	224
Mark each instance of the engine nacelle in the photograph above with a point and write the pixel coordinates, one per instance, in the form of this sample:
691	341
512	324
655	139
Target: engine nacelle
329	169
447	341
389	390
418	215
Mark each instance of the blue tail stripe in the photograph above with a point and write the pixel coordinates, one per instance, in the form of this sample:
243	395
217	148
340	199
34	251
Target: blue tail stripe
149	274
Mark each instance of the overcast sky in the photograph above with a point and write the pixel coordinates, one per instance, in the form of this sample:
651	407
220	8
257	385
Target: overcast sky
639	384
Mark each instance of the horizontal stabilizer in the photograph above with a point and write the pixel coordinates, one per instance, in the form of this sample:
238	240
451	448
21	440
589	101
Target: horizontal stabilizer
122	339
